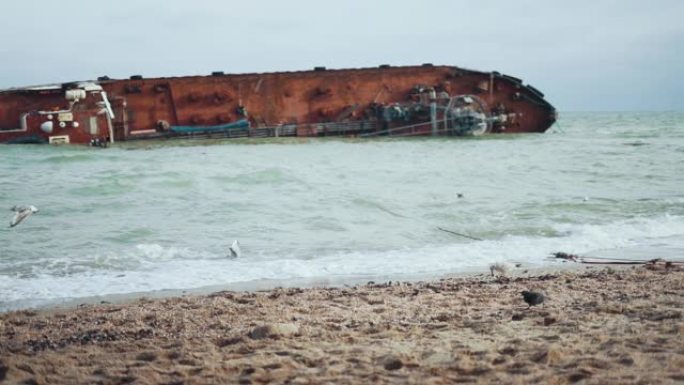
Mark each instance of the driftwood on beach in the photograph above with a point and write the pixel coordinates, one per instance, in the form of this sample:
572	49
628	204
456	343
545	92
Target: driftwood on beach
655	262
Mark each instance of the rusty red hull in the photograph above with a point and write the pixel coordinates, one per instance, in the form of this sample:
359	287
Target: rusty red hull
415	100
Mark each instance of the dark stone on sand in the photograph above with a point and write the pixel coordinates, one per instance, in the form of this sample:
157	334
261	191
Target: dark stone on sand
3	371
275	330
549	321
519	367
15	346
188	362
223	342
533	298
100	372
244	301
518	317
393	363
175	382
540	357
662	315
146	356
26	368
579	376
259	333
508	351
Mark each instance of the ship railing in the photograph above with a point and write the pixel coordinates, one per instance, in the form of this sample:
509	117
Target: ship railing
364	128
336	128
423	128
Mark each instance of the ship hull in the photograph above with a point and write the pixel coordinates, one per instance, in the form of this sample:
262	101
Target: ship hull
393	101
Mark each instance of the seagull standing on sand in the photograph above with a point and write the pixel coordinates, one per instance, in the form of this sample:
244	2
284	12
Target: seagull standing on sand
235	250
21	213
500	268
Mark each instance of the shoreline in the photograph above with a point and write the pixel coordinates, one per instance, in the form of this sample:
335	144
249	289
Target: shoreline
598	325
271	284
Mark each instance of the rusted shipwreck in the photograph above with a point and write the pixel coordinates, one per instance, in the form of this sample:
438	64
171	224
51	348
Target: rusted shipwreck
392	101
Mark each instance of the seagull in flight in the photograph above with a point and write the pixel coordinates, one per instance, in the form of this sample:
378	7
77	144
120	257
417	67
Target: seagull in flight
235	250
21	213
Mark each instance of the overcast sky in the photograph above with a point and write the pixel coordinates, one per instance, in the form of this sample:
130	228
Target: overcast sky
584	55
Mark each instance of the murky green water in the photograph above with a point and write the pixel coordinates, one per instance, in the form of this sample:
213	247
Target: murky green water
149	216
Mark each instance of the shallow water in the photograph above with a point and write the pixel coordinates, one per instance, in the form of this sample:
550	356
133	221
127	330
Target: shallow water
151	216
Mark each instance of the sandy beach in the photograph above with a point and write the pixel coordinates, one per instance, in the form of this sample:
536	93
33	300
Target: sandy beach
597	326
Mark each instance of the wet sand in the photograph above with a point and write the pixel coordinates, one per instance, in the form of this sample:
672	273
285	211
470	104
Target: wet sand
597	326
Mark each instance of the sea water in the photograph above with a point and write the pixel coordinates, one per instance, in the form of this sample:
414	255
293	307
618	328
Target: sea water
148	216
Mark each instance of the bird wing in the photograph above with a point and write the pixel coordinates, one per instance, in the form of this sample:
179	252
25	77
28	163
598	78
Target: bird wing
18	217
235	249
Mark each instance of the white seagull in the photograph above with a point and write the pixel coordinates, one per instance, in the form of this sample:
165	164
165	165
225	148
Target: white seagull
21	213
235	249
501	269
